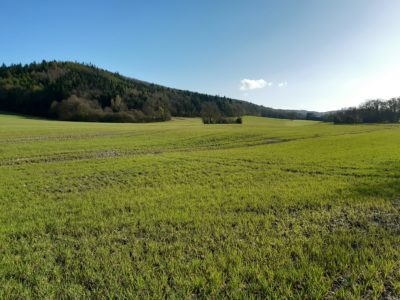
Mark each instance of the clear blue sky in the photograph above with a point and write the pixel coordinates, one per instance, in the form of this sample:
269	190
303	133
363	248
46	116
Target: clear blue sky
309	54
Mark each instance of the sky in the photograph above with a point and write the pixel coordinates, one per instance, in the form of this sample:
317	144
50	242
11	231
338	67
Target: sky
311	54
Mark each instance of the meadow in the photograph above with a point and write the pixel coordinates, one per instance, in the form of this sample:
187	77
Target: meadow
267	209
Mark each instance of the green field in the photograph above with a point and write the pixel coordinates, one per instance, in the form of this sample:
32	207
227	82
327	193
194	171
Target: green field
267	209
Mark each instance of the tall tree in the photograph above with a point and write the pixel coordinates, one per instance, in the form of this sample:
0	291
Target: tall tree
210	112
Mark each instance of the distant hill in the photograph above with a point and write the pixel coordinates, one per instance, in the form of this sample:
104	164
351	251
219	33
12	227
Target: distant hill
82	92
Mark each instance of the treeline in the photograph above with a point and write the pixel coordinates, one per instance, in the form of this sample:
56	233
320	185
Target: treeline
372	111
83	92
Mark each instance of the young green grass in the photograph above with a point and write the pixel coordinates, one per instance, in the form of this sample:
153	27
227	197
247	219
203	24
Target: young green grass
267	209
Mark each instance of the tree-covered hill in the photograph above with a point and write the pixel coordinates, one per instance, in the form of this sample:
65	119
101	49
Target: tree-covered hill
81	92
372	111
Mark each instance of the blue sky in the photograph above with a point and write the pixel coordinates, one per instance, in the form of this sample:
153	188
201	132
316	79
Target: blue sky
309	54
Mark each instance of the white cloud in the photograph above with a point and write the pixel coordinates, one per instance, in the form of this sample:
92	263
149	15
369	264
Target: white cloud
252	84
282	84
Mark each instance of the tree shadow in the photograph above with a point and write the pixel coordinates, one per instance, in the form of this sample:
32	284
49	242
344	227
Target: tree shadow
28	117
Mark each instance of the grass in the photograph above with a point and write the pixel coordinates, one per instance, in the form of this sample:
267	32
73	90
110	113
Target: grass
268	209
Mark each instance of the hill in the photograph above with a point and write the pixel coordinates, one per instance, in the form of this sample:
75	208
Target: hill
82	92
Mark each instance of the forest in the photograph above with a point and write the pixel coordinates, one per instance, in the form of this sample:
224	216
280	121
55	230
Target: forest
372	111
83	92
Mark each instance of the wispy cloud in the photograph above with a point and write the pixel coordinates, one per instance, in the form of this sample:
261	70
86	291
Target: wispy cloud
282	84
252	84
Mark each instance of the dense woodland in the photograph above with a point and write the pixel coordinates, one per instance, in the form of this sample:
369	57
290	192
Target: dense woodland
81	92
373	111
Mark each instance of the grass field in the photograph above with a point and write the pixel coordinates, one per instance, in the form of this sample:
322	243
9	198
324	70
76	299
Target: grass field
267	209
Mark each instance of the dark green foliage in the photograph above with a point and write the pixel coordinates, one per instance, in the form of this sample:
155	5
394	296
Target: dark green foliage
80	109
73	91
211	114
313	116
224	120
76	92
373	111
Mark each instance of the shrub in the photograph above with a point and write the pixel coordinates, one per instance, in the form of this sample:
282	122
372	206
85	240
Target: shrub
222	120
77	109
80	109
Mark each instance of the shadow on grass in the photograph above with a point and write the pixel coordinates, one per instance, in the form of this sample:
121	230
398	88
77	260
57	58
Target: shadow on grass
388	189
30	117
385	184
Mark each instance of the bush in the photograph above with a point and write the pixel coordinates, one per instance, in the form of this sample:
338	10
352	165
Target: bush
80	109
77	109
222	120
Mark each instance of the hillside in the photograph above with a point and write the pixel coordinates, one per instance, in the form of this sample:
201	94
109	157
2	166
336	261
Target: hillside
80	92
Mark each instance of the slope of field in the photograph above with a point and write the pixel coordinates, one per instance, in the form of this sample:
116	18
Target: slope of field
267	209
